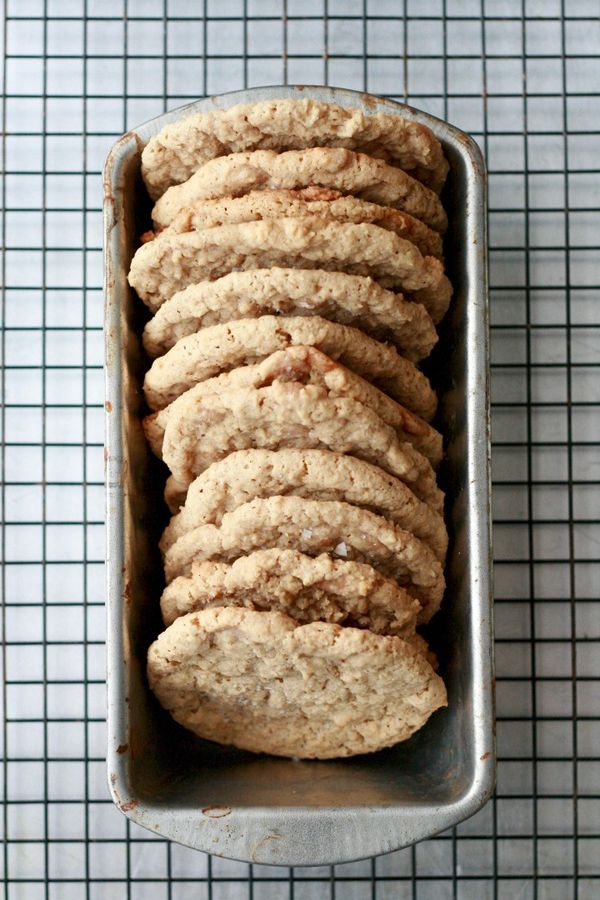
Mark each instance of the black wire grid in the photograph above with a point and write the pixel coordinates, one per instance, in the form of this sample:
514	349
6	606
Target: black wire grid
523	76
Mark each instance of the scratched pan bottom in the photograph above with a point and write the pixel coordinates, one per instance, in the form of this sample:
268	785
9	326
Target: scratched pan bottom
263	809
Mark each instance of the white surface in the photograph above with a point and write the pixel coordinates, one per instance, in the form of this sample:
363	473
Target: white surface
545	275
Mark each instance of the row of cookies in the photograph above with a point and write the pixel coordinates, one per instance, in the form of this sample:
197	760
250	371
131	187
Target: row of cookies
296	276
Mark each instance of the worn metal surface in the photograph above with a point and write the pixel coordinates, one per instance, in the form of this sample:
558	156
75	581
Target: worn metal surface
279	811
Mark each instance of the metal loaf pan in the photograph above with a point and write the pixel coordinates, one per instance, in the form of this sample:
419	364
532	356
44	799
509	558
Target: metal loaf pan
263	809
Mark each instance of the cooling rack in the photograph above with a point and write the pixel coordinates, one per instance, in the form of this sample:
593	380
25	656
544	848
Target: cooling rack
523	76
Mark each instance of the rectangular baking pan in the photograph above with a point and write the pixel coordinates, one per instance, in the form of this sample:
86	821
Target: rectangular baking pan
263	809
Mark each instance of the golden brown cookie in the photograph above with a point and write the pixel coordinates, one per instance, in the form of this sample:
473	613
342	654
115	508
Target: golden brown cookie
179	149
172	261
313	527
314	474
309	589
261	682
345	299
313	201
220	348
